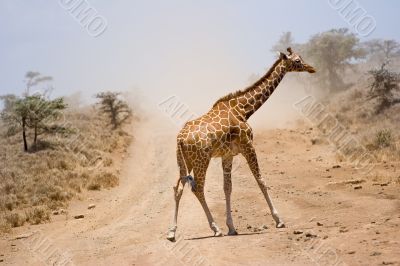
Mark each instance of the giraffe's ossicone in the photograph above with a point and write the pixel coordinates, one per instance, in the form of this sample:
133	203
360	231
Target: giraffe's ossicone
224	132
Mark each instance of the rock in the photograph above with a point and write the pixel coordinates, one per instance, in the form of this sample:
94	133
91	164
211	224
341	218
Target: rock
358	187
310	235
1	260
343	230
91	206
354	181
79	216
351	252
325	237
319	224
23	236
248	226
60	211
297	232
264	226
375	253
256	229
336	166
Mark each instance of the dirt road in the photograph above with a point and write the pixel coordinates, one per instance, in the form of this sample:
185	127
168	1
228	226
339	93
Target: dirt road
340	216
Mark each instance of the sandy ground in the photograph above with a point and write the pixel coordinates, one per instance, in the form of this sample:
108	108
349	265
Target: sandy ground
337	223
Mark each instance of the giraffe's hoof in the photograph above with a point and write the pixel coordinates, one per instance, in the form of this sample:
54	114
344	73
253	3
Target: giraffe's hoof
171	236
232	233
280	225
218	234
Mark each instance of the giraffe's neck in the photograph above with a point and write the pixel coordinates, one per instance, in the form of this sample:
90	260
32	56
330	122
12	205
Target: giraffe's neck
256	95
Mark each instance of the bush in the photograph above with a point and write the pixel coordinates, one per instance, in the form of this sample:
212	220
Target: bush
383	138
115	108
93	186
103	180
37	216
14	219
383	87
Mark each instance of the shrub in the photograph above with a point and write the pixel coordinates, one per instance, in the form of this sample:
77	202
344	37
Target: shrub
117	109
14	219
103	180
107	179
93	186
37	216
383	87
383	138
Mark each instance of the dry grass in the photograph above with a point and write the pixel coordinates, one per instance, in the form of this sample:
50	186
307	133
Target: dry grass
376	132
383	138
66	164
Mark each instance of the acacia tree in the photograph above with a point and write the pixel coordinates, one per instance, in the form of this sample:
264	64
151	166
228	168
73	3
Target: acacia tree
41	112
17	114
33	112
34	78
384	84
332	52
382	50
115	108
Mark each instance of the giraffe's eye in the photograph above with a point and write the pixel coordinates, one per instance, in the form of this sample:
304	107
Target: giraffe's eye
297	61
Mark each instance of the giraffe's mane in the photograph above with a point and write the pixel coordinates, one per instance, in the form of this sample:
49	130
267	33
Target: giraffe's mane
238	93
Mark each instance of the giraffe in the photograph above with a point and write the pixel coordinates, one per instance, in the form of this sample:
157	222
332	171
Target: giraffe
224	132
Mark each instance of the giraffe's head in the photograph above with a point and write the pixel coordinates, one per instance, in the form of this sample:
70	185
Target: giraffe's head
295	63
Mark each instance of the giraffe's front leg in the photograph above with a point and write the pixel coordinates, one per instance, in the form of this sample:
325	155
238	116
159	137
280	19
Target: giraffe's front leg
227	168
251	157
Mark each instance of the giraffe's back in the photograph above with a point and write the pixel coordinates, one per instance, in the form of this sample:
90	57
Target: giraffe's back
216	133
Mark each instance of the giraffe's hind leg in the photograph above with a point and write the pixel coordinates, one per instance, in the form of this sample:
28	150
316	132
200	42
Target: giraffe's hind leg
178	190
227	168
199	176
251	157
184	170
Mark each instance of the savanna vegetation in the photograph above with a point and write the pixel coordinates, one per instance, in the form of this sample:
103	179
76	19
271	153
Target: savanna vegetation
52	151
358	82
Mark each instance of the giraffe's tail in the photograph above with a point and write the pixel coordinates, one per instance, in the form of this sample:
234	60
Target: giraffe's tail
183	165
191	182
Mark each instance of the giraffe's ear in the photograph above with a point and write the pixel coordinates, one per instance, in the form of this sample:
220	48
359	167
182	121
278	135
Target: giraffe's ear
289	49
282	55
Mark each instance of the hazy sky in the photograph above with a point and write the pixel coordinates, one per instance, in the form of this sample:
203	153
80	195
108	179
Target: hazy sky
198	50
